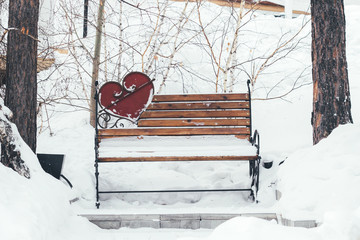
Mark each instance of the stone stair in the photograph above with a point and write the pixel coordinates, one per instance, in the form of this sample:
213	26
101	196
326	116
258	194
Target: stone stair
181	221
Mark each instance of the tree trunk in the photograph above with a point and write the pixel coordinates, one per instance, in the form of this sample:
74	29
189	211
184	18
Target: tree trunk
10	155
331	99
86	11
21	62
96	61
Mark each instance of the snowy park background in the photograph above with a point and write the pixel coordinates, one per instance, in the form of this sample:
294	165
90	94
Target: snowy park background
316	182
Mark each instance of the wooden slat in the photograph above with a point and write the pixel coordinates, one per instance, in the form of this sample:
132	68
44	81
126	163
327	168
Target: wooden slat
110	133
195	114
178	158
194	106
200	97
193	122
247	137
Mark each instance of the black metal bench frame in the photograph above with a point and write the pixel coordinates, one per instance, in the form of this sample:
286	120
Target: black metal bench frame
254	164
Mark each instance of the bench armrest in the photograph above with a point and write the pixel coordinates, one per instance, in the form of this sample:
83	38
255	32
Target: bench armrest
255	141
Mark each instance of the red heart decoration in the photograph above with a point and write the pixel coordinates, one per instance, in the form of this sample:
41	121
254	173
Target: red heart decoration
130	99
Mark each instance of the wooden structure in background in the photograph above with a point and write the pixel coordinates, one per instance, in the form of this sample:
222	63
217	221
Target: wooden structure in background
42	64
250	4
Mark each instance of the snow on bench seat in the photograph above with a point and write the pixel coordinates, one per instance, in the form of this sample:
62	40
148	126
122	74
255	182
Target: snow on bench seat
160	148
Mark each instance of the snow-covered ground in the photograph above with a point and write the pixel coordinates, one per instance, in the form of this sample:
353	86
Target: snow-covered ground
316	182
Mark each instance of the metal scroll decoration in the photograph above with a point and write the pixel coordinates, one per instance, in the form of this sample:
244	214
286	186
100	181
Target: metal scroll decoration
124	101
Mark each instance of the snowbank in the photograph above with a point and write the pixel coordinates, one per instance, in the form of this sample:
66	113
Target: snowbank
323	178
258	229
36	208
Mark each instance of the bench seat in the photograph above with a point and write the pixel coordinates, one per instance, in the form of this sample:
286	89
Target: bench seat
181	148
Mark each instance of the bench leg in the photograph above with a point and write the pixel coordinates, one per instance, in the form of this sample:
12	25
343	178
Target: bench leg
97	204
254	166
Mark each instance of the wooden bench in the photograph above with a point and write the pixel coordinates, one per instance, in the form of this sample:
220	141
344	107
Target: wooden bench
191	127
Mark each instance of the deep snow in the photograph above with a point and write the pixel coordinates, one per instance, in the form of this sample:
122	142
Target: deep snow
317	182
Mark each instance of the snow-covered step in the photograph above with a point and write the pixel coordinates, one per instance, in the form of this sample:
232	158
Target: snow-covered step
184	220
181	221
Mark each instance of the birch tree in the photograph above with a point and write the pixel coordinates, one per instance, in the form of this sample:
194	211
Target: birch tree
232	55
96	61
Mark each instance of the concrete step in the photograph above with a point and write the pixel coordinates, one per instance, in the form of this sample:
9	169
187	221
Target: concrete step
183	220
157	221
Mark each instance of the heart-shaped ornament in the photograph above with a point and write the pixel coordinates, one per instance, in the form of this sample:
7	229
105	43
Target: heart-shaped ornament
130	99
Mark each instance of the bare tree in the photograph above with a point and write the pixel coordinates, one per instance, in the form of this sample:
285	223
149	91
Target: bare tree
228	65
331	101
185	47
232	54
96	60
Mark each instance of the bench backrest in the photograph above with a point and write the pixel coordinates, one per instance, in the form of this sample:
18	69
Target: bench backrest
193	114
